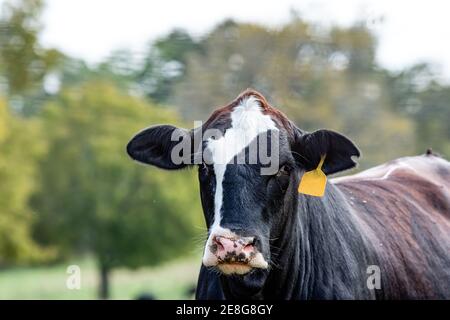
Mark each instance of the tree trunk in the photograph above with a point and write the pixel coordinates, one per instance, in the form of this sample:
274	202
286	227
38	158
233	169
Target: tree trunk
103	289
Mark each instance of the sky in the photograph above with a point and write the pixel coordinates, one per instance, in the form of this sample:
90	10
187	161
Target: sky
410	32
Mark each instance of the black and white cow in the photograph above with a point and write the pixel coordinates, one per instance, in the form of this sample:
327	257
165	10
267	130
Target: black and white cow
266	240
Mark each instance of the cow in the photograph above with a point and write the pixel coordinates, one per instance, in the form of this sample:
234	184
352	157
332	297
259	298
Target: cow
383	233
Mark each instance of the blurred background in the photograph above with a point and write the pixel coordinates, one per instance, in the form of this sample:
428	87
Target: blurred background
79	78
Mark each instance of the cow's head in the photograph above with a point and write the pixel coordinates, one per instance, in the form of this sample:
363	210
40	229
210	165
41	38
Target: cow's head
244	207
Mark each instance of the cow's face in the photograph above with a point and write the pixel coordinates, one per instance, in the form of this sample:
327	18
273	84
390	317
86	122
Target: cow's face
250	158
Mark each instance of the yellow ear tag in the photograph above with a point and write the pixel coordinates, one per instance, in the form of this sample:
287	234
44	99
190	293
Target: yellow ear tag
313	182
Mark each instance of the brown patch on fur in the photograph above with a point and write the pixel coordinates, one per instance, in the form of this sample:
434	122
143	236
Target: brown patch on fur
223	113
280	119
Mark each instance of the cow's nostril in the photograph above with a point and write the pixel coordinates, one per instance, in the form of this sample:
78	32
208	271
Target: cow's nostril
233	249
249	247
216	241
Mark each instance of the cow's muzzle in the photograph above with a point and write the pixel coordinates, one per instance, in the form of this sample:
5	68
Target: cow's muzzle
232	254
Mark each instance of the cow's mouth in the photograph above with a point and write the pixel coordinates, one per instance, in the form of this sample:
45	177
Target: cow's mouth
232	265
230	268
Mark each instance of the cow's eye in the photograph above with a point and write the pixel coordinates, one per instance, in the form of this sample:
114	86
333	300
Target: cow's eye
284	171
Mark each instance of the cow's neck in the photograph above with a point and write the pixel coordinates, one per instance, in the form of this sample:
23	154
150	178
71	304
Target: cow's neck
318	242
321	244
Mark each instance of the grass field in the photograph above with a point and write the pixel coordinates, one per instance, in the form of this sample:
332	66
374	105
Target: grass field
169	281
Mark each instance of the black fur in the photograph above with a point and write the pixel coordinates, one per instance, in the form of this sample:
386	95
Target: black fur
154	146
336	148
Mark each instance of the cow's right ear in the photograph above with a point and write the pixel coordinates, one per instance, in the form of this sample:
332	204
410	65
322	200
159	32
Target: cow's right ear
164	146
336	149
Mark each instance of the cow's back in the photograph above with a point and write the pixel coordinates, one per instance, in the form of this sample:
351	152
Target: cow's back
403	209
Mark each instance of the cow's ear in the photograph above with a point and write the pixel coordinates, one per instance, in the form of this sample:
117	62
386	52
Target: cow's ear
337	149
164	146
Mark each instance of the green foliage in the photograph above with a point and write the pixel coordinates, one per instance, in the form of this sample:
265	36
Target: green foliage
432	115
19	149
22	61
417	94
165	63
94	198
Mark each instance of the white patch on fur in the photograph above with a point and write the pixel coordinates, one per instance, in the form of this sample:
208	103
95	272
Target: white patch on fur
247	122
381	172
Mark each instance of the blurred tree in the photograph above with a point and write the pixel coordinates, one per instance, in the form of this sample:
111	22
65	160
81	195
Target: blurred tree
416	93
20	148
165	63
431	111
24	63
119	69
93	198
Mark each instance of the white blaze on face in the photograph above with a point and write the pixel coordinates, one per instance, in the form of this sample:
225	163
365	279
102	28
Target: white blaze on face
247	122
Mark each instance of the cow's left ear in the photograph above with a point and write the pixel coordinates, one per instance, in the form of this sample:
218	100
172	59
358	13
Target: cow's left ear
337	149
163	146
